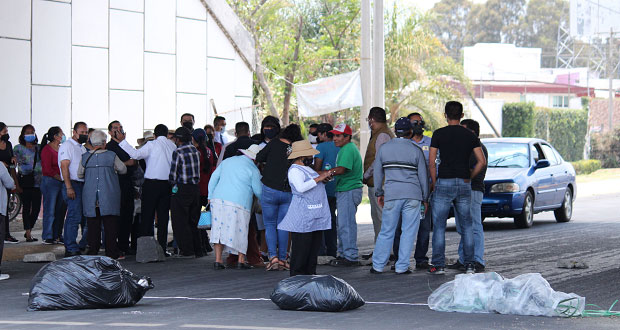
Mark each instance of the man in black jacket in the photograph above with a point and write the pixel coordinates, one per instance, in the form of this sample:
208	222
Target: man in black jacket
243	141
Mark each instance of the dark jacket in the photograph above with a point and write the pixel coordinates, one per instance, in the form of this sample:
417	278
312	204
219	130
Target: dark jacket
242	142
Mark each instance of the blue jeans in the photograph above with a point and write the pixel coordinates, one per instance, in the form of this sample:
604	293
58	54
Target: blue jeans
476	218
447	192
275	204
393	211
52	201
346	204
75	218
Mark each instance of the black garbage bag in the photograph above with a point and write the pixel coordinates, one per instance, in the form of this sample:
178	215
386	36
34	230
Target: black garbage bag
83	282
319	293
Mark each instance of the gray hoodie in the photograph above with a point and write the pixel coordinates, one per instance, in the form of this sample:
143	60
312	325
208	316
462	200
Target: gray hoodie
404	168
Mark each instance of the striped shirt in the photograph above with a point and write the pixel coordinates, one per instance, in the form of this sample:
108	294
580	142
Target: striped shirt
185	166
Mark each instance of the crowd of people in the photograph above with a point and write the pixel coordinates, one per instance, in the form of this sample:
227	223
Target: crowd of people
277	200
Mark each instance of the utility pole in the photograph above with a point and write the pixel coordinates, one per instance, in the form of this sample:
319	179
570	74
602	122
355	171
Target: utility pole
611	78
378	57
366	75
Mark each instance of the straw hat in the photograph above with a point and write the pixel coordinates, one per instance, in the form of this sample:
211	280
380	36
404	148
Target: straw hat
146	136
302	148
252	151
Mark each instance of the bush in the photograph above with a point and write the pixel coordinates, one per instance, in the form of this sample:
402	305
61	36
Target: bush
565	129
606	148
587	166
518	119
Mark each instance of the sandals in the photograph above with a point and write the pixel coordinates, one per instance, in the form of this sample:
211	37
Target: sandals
284	265
274	264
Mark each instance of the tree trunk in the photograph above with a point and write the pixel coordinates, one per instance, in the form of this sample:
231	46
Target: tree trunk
290	76
262	82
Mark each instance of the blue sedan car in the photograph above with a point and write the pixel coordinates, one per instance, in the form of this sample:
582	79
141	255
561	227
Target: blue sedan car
527	176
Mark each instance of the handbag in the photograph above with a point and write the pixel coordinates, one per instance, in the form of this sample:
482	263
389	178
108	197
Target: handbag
205	219
27	180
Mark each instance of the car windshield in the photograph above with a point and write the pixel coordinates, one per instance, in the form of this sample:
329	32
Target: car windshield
514	155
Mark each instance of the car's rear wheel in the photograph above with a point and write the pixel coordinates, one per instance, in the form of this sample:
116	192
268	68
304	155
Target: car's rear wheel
564	213
526	218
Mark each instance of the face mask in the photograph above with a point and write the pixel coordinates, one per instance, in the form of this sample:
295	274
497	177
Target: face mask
30	138
209	137
188	124
64	138
82	138
270	133
312	139
308	161
5	137
418	130
223	129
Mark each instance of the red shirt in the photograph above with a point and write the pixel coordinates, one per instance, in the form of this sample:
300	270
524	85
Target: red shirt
205	177
49	161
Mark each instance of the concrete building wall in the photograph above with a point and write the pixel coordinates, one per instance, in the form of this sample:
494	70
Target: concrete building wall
143	62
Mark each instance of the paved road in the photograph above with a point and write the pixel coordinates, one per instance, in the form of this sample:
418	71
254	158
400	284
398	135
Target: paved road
593	235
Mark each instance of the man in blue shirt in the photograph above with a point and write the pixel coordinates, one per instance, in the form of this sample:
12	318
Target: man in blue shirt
324	161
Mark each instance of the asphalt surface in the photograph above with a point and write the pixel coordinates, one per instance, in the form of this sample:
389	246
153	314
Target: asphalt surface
184	289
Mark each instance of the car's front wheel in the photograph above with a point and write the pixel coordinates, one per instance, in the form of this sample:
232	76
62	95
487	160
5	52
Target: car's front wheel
564	213
526	218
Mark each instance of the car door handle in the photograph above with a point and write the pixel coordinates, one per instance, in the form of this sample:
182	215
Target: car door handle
551	174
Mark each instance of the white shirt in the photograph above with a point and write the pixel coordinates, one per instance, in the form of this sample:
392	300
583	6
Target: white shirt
221	138
156	153
72	151
297	178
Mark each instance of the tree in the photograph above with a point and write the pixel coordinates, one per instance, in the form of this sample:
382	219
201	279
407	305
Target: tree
450	24
540	26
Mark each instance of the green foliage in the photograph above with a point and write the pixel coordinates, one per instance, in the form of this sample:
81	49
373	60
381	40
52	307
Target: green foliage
586	166
565	129
518	119
606	148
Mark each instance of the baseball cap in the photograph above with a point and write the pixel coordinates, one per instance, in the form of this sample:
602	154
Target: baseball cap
342	129
402	125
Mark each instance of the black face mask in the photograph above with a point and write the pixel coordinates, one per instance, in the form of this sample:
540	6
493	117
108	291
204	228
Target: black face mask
270	133
5	138
82	138
418	129
209	137
189	125
308	161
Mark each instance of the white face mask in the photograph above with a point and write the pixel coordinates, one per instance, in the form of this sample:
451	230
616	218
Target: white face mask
312	139
223	129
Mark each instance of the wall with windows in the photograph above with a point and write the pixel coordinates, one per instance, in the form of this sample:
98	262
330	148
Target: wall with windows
142	62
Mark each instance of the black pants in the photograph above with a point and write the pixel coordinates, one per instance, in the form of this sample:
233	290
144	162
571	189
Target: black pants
125	221
185	211
329	246
7	232
110	224
3	220
31	206
305	250
155	199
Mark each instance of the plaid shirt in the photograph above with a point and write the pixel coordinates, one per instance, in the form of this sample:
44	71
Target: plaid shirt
185	166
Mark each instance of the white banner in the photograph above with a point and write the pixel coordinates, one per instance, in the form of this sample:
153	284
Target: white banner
327	95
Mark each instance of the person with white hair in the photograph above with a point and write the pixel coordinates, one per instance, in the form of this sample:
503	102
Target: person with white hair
230	191
101	196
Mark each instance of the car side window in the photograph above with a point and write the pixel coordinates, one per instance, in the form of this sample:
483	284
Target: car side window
536	153
549	154
558	156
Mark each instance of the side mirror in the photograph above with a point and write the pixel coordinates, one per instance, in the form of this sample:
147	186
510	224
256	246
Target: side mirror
542	164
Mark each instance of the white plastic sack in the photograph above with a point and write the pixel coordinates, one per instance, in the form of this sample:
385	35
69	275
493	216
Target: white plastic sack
527	294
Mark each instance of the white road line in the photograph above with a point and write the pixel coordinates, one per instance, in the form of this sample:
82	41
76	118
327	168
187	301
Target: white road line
217	326
151	325
266	299
44	323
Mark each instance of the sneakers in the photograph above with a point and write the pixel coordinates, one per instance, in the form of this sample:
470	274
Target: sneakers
421	265
470	269
436	270
408	271
4	277
10	240
479	267
457	265
48	241
374	271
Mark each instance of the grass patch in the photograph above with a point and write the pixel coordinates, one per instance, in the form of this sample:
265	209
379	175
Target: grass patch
600	175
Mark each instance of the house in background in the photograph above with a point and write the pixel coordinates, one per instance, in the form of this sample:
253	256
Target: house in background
143	62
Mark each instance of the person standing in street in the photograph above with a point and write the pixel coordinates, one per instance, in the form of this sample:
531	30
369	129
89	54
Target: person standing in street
54	207
69	158
308	215
156	188
381	134
403	166
325	161
243	141
477	193
29	165
220	128
126	218
185	200
101	195
452	186
349	170
6	183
